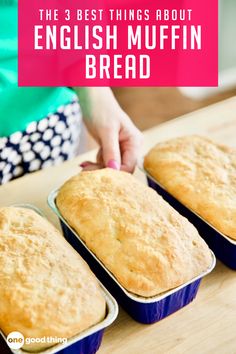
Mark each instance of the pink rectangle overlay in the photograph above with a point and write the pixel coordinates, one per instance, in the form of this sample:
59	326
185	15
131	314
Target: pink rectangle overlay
118	43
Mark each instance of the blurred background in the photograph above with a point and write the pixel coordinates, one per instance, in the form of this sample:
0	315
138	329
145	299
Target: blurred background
152	105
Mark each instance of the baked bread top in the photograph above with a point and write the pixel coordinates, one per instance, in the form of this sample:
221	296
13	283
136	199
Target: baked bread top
201	174
46	289
147	245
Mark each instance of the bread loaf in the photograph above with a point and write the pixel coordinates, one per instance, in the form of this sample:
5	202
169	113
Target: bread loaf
147	245
46	289
201	174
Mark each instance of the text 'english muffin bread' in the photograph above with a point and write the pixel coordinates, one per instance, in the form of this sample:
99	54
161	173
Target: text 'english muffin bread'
141	239
46	289
201	174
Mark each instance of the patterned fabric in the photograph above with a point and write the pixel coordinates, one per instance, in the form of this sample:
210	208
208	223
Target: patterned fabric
47	142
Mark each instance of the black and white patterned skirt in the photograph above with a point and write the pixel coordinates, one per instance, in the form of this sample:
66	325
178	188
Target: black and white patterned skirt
47	142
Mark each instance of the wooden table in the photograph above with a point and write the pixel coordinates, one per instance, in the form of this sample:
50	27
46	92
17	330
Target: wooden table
207	325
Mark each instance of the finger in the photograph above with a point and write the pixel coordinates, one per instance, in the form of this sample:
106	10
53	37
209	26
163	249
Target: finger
85	163
130	152
129	160
111	149
99	157
90	166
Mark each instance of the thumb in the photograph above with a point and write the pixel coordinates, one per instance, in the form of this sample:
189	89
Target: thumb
111	148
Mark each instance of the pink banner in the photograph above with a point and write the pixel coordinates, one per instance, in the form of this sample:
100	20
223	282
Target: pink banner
118	43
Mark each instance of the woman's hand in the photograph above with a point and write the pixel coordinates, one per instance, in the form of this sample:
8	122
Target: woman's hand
111	127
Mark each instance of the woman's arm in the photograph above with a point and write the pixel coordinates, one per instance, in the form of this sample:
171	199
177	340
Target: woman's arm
111	127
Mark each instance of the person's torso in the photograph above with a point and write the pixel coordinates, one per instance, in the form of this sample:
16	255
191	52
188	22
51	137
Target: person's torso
21	105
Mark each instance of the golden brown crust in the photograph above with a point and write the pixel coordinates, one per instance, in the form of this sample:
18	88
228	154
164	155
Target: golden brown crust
201	174
140	238
46	289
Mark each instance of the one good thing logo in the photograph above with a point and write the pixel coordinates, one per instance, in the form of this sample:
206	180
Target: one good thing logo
15	340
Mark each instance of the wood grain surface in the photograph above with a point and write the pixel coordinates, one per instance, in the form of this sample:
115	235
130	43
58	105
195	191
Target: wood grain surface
208	324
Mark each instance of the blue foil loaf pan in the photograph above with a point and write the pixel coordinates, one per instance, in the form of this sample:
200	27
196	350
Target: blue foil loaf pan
223	247
143	310
88	341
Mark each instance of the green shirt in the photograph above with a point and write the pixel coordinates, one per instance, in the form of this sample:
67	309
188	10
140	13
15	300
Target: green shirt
21	105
